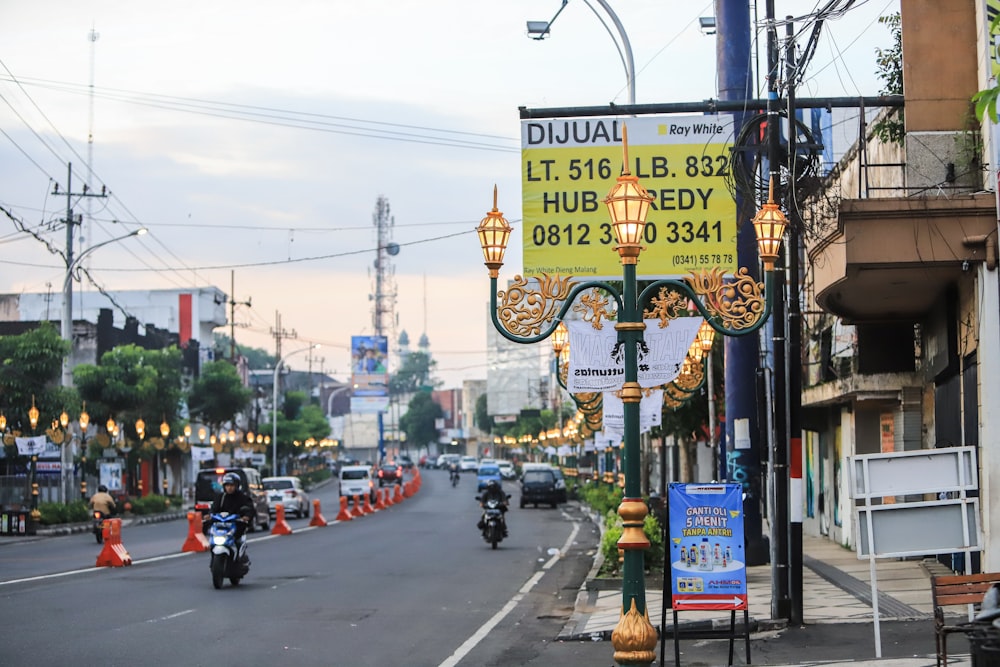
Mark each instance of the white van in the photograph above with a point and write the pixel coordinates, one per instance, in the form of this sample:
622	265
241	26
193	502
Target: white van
357	481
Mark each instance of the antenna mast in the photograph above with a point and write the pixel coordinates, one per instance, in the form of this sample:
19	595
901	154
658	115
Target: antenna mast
384	298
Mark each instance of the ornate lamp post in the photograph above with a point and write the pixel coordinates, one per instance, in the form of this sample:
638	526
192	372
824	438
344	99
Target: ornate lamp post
733	307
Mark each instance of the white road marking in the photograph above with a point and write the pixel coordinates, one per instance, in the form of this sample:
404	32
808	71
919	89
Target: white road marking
170	616
488	626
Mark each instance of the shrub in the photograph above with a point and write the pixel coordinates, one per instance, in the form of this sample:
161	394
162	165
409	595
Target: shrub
54	513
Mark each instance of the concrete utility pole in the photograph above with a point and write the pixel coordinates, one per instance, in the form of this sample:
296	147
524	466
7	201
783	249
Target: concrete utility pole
67	311
232	314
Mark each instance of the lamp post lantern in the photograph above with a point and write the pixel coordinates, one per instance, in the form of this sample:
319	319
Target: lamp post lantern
274	405
733	306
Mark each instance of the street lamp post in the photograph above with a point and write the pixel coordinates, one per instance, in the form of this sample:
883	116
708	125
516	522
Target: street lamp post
538	30
274	406
733	307
67	310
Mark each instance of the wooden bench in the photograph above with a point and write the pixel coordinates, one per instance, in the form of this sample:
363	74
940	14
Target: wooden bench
956	590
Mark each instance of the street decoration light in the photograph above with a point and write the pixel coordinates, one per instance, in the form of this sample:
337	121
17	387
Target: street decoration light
33	414
733	306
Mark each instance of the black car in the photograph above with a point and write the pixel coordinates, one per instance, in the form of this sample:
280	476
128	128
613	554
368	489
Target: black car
390	473
208	484
539	486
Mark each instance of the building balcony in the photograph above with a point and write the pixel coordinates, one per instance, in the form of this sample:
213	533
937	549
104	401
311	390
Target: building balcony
891	259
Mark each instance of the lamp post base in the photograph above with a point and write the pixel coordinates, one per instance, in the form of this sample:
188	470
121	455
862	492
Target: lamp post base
634	638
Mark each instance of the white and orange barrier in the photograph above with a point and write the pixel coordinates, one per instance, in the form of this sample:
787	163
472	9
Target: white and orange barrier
196	540
114	553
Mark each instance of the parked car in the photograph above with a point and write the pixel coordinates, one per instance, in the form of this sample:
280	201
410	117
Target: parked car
467	464
487	472
560	484
507	469
405	461
538	485
287	492
389	473
208	484
357	481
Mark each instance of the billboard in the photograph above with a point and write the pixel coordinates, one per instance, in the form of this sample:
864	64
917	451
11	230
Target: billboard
568	166
369	373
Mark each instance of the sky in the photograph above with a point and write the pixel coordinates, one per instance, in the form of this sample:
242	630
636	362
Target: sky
253	139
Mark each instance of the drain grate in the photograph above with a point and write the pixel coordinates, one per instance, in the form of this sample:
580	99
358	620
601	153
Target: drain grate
887	605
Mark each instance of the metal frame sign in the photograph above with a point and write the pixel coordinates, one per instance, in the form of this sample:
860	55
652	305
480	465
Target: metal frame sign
568	166
707	558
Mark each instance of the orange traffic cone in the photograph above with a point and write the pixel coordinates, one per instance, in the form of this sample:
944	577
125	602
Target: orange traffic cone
397	496
380	500
343	514
281	526
196	540
367	506
317	519
387	497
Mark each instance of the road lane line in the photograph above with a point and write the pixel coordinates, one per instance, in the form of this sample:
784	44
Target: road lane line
169	617
486	627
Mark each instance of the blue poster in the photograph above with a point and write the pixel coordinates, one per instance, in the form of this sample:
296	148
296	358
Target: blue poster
707	555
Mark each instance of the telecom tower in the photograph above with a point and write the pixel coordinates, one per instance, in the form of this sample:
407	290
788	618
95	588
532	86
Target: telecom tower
384	296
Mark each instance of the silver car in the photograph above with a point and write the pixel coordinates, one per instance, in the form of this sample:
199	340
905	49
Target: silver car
288	492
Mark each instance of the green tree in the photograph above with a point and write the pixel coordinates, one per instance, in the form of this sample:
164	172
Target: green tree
986	100
889	68
257	358
30	366
414	375
483	420
419	421
218	394
298	421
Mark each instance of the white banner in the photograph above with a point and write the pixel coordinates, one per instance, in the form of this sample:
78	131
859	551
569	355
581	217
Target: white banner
650	412
35	446
202	453
595	366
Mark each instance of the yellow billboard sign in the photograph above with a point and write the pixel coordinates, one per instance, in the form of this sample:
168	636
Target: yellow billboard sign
569	165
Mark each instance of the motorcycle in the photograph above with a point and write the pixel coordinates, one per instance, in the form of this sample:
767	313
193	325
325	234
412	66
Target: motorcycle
454	478
492	522
99	518
227	552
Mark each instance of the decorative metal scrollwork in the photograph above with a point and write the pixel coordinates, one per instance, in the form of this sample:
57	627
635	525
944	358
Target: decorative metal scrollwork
738	304
523	312
594	308
668	304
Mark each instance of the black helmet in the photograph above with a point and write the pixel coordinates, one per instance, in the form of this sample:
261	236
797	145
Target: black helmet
102	488
492	484
231	478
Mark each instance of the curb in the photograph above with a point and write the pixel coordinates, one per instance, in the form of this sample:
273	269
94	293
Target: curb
87	526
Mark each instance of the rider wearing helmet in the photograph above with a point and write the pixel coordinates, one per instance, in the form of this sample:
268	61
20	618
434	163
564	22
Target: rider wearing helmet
493	490
102	501
234	500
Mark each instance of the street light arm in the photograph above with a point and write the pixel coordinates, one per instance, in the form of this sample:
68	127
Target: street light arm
548	25
626	57
75	264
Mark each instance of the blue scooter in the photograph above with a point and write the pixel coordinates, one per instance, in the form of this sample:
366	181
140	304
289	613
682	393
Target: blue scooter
228	553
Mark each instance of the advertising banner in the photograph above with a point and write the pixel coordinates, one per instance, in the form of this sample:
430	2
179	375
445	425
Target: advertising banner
569	165
597	362
650	411
369	373
707	558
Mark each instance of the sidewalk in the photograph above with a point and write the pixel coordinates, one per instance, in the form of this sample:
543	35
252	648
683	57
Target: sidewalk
836	591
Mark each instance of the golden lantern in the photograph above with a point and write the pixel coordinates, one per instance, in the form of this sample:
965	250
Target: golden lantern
3	422
628	204
769	226
164	429
706	335
64	419
33	413
110	425
140	428
494	231
187	430
560	337
201	434
84	419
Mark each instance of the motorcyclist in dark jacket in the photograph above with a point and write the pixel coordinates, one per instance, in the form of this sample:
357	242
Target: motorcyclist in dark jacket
235	501
494	491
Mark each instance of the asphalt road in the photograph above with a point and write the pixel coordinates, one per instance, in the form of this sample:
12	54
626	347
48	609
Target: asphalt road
412	585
